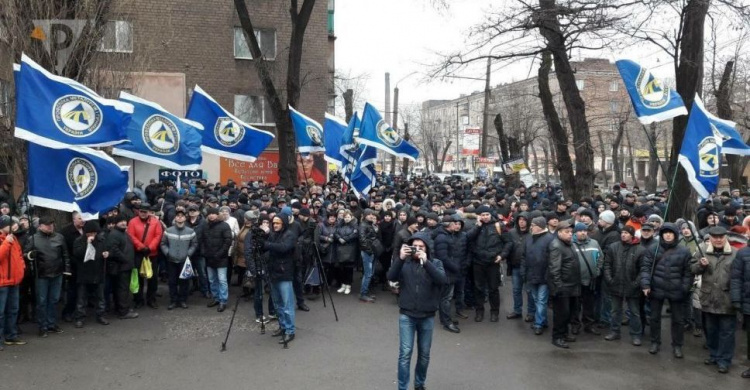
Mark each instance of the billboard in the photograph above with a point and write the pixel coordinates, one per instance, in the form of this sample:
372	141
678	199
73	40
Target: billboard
471	141
266	168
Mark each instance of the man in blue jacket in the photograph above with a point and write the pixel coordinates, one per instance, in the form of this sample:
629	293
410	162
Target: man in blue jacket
422	280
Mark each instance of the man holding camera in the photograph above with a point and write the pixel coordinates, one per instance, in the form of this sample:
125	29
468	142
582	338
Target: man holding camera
422	280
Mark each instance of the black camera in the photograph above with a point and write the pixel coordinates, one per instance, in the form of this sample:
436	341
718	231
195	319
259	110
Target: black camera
412	250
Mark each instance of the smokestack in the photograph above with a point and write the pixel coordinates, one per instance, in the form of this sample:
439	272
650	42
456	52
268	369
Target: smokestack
387	98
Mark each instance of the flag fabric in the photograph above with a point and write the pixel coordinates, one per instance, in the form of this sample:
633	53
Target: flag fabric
361	174
348	146
160	138
700	153
226	135
75	179
733	143
652	100
56	111
333	132
375	132
309	132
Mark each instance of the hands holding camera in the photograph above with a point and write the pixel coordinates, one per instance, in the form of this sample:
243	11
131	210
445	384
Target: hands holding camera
410	251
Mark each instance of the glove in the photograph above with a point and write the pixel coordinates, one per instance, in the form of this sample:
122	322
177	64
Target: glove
342	241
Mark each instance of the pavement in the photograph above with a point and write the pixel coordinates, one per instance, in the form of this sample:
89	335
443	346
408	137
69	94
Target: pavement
180	350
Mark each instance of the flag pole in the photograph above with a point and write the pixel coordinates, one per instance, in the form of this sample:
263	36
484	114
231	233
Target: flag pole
653	148
670	187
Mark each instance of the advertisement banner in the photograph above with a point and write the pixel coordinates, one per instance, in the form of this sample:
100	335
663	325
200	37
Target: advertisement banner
514	166
184	175
471	141
266	168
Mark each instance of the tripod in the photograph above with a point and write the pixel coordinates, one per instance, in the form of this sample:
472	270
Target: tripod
324	281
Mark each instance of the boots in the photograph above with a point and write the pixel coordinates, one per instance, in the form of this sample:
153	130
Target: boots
479	316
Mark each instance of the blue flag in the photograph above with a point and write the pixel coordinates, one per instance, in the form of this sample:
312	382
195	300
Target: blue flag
56	112
76	179
733	142
309	132
333	132
226	135
652	100
160	138
375	132
700	153
361	175
348	146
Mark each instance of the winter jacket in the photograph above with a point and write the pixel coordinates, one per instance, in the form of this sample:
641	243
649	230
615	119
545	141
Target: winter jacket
280	247
740	283
402	235
197	227
536	257
622	268
564	272
387	233
324	239
367	236
607	236
178	244
136	228
589	255
121	252
12	265
715	278
92	271
420	285
348	251
215	241
668	274
514	247
445	246
486	242
51	254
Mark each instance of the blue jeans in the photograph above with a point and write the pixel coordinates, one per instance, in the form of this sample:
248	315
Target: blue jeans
603	306
217	278
540	293
258	299
282	293
367	273
720	337
47	297
423	327
518	294
199	265
9	312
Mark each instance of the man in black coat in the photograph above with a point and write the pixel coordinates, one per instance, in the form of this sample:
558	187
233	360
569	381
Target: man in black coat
564	283
215	241
52	261
513	254
196	222
486	244
70	233
120	263
90	275
450	248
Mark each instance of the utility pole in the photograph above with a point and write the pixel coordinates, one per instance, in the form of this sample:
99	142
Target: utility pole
387	108
394	125
405	161
486	109
458	130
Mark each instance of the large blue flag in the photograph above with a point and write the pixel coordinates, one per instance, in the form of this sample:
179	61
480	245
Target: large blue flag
56	112
75	179
375	132
309	133
361	174
700	153
333	132
226	135
733	142
160	138
348	146
652	100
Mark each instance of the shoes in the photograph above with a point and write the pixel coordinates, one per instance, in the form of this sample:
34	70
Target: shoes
709	362
592	330
528	319
43	333
55	329
575	329
15	341
212	304
494	317
570	339
68	318
286	338
222	307
452	328
129	316
677	352
560	343
460	314
636	341
538	331
366	299
348	290
479	316
697	333
746	374
102	321
612	336
420	388
278	332
153	305
303	307
272	317
79	324
654	349
723	369
171	306
137	305
183	305
341	289
513	316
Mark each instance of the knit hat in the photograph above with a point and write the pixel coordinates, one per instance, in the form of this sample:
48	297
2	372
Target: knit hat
252	214
655	218
539	221
607	216
5	221
212	210
629	229
580	227
91	227
484	209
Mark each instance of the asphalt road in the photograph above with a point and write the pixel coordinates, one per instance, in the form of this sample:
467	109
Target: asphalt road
180	349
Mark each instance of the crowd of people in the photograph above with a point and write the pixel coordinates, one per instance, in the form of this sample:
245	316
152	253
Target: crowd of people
599	262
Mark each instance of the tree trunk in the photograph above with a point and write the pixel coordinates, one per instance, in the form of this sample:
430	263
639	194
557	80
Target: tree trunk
502	139
349	104
546	162
553	154
603	165
616	162
549	28
536	162
445	154
653	163
736	164
689	79
632	160
559	137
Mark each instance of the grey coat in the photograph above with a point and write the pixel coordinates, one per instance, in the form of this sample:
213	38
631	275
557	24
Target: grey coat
178	244
715	279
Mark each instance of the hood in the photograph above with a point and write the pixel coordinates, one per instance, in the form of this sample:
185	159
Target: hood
423	236
670	227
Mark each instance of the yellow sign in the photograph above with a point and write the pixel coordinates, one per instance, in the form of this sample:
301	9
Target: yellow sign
38	33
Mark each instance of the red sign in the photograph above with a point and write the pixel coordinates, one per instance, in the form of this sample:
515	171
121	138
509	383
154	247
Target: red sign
486	160
266	168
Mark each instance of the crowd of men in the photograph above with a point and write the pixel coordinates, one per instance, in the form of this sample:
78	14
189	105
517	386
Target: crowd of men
598	262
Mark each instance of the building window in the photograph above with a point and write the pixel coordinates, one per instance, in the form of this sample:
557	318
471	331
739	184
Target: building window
580	84
614	86
609	164
266	39
253	110
614	107
117	37
4	98
628	173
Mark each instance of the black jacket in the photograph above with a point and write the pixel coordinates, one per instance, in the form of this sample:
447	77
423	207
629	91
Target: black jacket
536	257
668	273
402	235
51	254
367	235
215	241
740	283
622	268
92	271
280	247
485	243
450	251
387	233
121	252
349	250
197	227
421	286
564	270
323	232
514	247
607	237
